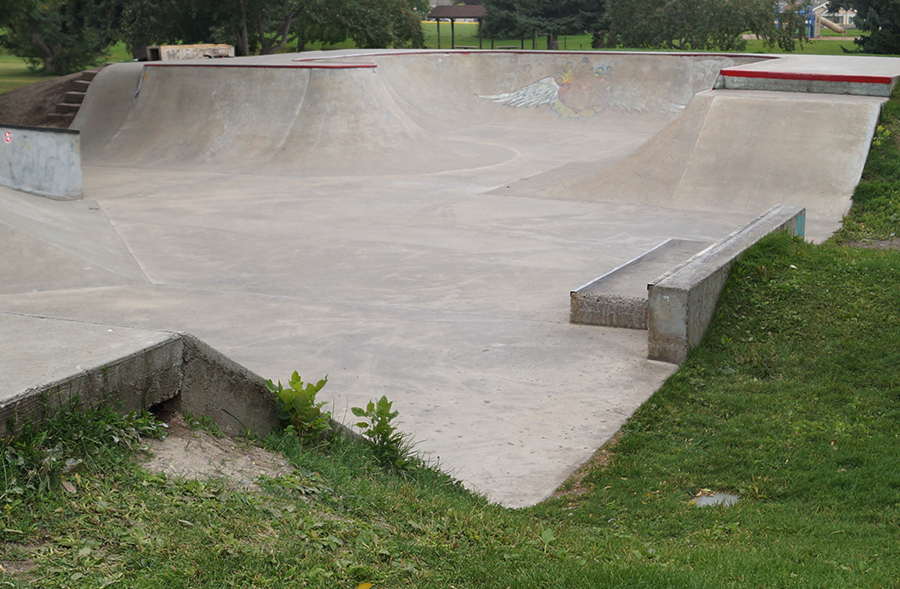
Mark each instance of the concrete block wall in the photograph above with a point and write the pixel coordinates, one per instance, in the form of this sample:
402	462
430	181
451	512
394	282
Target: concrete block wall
42	161
179	365
683	301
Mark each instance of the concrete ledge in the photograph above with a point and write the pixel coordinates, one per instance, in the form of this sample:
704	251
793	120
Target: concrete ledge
736	81
159	366
133	382
217	387
619	297
42	161
683	301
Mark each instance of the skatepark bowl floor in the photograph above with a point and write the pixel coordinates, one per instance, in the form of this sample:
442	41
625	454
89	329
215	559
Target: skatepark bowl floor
411	224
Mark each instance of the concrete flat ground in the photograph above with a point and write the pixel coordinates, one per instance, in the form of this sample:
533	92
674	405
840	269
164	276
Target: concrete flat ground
411	226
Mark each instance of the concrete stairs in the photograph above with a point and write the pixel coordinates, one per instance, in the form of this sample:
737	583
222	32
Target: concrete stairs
66	110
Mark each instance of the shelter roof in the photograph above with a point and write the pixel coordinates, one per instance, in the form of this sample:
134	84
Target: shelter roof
473	11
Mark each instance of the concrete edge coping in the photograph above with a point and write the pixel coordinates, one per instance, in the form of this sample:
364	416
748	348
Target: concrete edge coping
683	300
203	381
42	129
806	86
587	306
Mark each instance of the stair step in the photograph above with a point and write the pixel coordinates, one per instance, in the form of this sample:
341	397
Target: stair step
61	116
82	85
74	97
89	74
66	107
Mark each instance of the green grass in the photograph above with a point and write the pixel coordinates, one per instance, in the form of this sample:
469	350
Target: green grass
15	74
790	402
875	213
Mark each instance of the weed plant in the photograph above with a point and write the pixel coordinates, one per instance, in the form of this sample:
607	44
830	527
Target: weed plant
300	410
390	446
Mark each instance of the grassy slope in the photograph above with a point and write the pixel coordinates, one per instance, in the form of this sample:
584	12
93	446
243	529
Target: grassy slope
15	74
791	402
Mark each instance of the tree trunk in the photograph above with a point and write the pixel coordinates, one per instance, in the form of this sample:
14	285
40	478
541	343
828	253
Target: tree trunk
48	56
243	36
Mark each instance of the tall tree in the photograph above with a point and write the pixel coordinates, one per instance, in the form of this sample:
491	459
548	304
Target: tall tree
501	19
57	36
880	19
370	23
560	17
514	18
266	26
705	24
156	22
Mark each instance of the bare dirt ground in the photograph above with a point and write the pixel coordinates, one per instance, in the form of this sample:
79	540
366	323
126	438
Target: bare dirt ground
886	244
194	454
31	105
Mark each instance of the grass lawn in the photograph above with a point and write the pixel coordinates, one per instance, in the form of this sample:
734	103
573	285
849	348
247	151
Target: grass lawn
15	74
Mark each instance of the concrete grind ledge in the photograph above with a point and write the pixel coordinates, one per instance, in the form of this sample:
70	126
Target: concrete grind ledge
682	302
179	365
619	297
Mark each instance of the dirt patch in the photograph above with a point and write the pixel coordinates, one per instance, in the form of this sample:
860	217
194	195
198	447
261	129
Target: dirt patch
31	105
195	454
575	485
18	566
884	244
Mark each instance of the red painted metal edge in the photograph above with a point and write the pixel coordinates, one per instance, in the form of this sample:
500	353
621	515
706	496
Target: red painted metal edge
301	66
734	73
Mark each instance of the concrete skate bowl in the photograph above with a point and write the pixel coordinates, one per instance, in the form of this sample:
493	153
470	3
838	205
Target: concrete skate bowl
384	114
410	224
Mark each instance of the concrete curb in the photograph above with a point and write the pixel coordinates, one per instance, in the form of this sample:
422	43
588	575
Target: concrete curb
619	297
683	301
204	381
41	161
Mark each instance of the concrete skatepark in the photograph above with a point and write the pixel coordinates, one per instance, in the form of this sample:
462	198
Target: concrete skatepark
411	224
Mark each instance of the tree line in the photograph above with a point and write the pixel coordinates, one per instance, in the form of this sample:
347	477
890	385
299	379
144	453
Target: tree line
61	36
687	24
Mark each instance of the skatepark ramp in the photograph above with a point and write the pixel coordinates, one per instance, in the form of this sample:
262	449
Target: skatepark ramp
374	114
409	222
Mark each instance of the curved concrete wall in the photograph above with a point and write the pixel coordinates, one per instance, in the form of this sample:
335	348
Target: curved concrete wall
373	114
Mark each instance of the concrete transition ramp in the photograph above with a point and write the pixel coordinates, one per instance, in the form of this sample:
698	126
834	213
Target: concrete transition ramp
411	223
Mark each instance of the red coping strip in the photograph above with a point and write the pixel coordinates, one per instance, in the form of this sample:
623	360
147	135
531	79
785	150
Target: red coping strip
301	66
734	73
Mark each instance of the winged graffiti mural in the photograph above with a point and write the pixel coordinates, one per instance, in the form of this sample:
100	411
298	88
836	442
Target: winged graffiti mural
584	90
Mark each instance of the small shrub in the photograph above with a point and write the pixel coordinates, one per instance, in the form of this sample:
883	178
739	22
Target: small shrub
391	448
75	436
300	409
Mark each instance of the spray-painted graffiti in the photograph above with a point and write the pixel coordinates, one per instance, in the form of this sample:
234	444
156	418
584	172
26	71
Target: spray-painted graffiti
582	89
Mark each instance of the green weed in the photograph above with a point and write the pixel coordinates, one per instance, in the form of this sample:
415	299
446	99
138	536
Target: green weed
300	409
391	448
